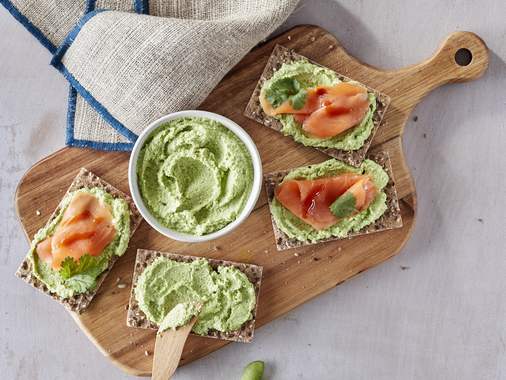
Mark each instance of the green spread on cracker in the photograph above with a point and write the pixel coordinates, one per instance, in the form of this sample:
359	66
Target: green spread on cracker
227	296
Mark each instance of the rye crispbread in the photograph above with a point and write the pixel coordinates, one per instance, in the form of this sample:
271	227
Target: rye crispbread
137	318
281	55
389	220
79	302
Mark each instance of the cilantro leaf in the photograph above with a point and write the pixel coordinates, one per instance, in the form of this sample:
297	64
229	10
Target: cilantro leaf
298	100
286	89
344	205
70	267
81	283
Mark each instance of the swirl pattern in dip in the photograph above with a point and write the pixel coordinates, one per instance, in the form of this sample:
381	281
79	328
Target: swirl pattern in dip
194	175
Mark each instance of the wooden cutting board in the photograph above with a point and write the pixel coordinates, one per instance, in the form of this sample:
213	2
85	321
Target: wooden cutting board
289	280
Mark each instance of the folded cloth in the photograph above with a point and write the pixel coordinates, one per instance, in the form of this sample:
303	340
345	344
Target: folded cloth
85	126
128	69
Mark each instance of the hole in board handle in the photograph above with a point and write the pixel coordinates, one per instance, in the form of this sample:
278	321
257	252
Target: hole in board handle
463	57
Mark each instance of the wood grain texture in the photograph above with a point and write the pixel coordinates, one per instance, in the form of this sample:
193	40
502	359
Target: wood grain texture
289	280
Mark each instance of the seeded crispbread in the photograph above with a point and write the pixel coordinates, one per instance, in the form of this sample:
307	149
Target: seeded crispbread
137	318
79	302
389	220
281	55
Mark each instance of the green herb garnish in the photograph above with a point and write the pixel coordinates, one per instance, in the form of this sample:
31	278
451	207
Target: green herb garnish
87	265
286	89
344	205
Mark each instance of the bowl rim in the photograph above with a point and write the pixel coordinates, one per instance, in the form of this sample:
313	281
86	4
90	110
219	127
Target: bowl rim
250	203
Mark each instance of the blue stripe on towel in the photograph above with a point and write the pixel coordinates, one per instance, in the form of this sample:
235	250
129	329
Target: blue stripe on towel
141	6
58	64
90	5
36	32
72	141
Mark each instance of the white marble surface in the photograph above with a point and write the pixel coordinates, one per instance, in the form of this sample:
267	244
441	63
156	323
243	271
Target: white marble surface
442	317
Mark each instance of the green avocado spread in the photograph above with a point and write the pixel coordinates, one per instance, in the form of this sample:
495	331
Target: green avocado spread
309	75
180	315
82	277
194	175
166	286
298	229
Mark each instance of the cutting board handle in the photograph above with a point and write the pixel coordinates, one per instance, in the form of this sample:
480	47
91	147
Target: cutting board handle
463	56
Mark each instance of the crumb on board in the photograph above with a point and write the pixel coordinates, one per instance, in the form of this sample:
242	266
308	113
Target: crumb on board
415	118
404	267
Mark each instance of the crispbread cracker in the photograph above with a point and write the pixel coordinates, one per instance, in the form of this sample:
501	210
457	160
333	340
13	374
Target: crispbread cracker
78	303
137	318
254	111
389	220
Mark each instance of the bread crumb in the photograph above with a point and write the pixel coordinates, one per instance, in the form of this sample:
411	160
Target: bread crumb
296	254
313	39
289	38
146	353
38	212
121	286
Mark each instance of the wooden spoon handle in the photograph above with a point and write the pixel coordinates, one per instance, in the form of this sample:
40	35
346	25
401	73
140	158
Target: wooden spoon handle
168	349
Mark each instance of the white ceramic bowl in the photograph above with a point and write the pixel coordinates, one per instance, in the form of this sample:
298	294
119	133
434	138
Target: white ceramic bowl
255	190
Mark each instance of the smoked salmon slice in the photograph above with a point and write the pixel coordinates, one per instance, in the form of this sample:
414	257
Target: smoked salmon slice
327	111
310	200
86	228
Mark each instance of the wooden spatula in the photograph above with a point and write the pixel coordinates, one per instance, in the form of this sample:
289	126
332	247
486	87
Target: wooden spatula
169	346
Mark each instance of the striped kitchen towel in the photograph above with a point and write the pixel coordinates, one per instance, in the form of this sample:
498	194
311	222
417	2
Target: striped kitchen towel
130	62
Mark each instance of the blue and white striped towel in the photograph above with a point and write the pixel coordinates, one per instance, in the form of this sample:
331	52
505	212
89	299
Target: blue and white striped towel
129	62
